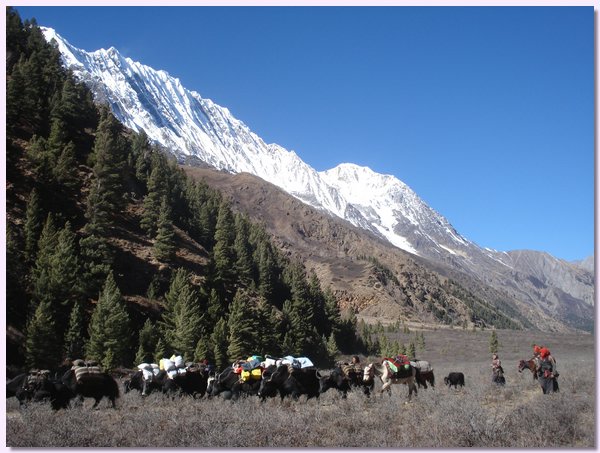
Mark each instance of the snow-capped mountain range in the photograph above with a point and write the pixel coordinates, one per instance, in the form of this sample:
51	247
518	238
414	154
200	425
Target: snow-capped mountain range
143	98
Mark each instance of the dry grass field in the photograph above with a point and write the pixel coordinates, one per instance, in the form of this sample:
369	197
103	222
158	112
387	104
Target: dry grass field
479	415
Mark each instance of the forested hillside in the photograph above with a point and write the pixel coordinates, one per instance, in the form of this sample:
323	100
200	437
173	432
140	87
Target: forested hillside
114	254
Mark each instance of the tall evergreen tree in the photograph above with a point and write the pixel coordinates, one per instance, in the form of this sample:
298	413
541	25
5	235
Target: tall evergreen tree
181	322
41	276
66	164
42	348
157	190
204	350
223	252
109	335
494	343
146	343
161	350
243	251
33	225
16	273
164	244
105	197
75	337
242	327
218	339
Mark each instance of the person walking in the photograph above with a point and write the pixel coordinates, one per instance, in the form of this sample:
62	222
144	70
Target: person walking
547	372
497	371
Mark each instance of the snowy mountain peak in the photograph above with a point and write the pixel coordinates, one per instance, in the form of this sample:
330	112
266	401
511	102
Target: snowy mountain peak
181	120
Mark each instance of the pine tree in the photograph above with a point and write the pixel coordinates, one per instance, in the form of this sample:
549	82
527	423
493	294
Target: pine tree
109	164
157	190
17	301
96	261
33	225
215	309
42	349
223	252
161	350
41	278
141	150
181	322
109	335
332	348
266	271
267	328
242	328
146	343
204	350
243	251
412	351
66	165
164	244
494	344
75	336
218	339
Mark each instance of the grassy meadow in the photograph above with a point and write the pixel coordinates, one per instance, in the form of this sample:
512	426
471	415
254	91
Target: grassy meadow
479	415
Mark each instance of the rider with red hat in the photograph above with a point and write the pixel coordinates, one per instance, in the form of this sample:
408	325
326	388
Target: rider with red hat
547	373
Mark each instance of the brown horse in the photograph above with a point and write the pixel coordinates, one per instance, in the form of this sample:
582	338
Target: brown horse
387	377
530	364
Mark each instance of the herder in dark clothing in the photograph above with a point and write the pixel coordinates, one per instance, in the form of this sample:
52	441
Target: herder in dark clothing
547	372
497	371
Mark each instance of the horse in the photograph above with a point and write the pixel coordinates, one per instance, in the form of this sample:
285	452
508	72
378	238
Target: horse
530	364
387	377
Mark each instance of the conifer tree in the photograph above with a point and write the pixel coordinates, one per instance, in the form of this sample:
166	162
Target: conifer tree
33	225
41	274
204	350
146	343
96	260
42	163
218	339
161	350
157	189
65	166
16	273
267	328
56	141
494	344
266	271
223	252
243	251
75	336
164	244
109	163
215	309
332	348
42	349
242	328
181	321
109	334
412	351
141	150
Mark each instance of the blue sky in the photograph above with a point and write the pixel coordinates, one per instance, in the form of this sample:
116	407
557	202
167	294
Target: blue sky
486	112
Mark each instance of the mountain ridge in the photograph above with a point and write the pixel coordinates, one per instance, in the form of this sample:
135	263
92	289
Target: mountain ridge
181	120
